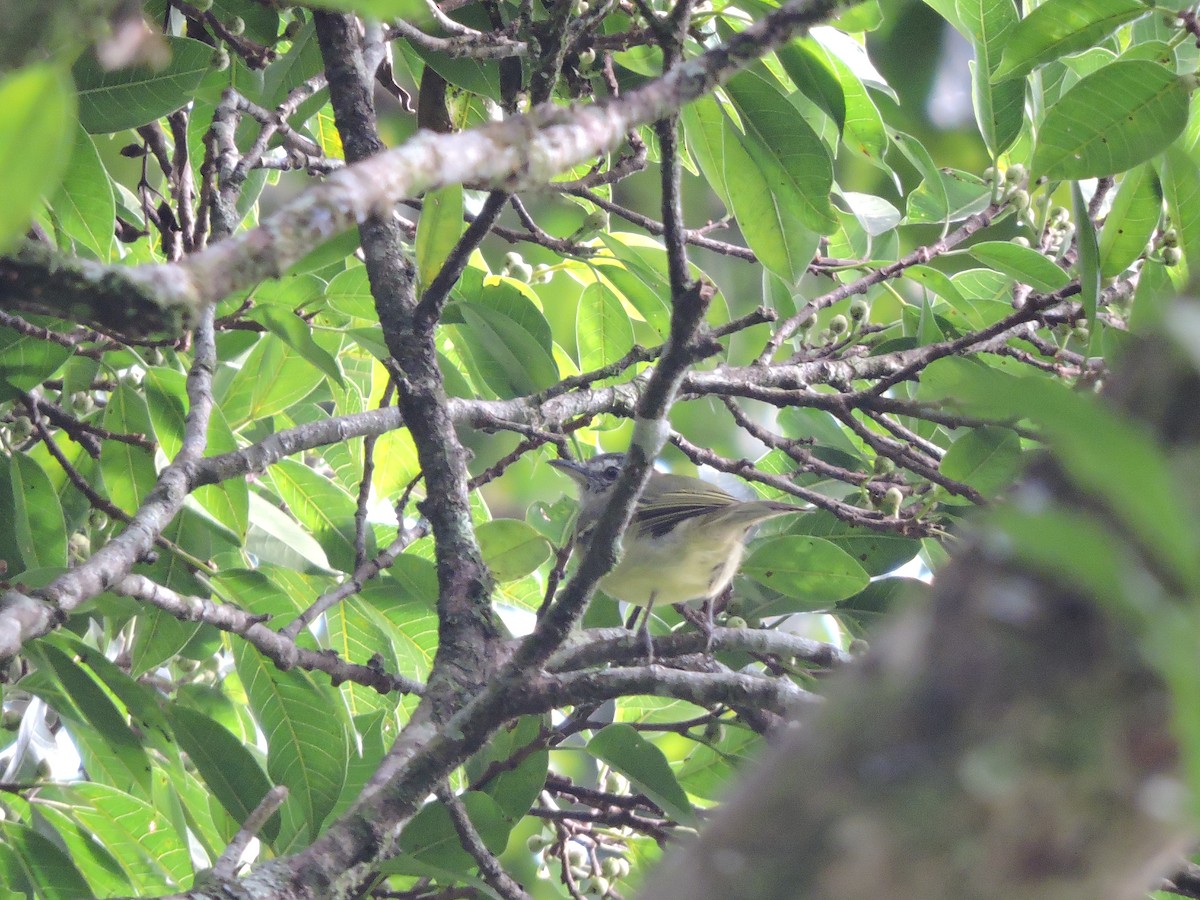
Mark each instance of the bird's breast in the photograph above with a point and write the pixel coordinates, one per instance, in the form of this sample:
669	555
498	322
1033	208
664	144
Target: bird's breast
685	564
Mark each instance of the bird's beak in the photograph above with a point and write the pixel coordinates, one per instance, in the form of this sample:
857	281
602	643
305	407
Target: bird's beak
576	470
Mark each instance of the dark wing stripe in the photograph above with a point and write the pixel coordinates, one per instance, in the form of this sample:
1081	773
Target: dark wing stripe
673	507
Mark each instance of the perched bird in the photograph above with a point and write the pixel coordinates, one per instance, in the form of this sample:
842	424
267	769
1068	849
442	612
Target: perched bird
685	541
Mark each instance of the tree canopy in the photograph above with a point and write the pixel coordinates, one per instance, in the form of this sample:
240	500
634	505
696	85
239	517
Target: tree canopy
298	300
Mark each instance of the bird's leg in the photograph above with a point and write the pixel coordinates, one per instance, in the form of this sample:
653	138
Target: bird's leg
709	603
645	630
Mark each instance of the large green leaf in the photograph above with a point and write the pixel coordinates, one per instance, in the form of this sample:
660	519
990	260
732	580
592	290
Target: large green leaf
987	459
228	768
48	868
511	548
508	357
27	361
624	749
791	156
272	378
151	853
511	771
1059	28
1024	264
1113	119
127	98
603	332
37	517
298	335
83	205
96	722
306	733
324	508
808	66
772	225
810	570
37	122
999	106
878	552
438	230
128	470
1136	211
432	839
1181	187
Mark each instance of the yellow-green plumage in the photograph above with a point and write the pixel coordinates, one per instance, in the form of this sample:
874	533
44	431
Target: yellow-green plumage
686	539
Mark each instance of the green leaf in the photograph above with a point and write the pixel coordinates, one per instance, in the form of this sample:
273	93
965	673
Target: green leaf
642	280
166	400
334	250
1181	187
26	361
49	869
350	293
227	767
141	702
275	537
128	471
987	459
936	201
433	840
511	548
307	740
37	517
1089	267
951	197
301	62
812	570
511	360
999	107
808	66
272	378
438	230
127	98
1136	211
1023	264
603	331
1113	119
323	507
878	552
140	838
92	709
708	768
37	123
1059	28
83	205
553	520
298	335
881	596
863	134
772	225
406	602
624	749
791	156
513	787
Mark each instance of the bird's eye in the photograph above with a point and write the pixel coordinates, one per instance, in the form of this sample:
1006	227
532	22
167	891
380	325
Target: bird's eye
611	473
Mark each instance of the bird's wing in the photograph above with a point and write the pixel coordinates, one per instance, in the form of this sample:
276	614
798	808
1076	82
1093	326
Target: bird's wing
665	508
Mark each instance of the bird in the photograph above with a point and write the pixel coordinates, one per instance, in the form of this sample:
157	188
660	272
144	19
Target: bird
685	541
